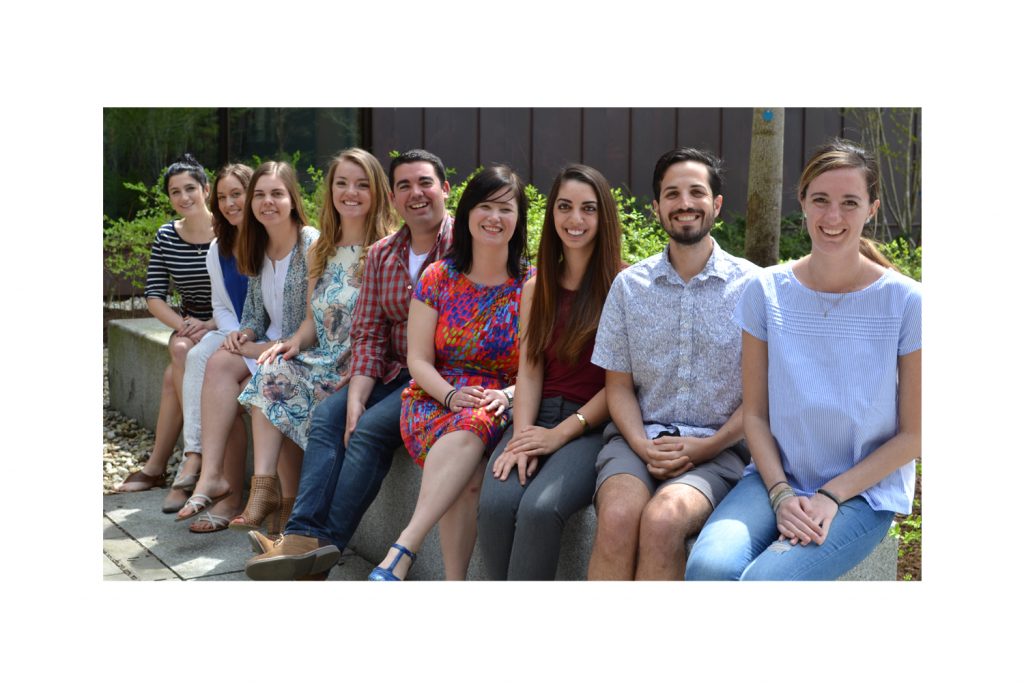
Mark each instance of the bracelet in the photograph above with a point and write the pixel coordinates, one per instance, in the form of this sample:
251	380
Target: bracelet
782	494
448	397
831	495
583	420
772	487
508	395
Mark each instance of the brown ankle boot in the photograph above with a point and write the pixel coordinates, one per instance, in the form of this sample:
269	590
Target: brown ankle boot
293	557
264	502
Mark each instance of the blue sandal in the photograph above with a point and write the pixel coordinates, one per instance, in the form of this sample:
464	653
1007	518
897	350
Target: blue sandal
380	574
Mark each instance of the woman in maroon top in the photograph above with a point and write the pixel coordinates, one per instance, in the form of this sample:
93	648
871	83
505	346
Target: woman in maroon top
560	403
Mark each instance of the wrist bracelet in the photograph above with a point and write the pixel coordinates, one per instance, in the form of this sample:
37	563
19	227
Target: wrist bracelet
828	494
583	420
448	397
772	487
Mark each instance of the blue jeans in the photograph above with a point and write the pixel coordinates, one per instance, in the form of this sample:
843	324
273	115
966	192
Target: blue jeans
338	484
739	541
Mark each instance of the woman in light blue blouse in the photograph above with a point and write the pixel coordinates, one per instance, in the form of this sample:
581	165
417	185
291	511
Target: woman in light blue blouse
831	394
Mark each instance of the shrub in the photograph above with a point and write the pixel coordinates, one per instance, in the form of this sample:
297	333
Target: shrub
126	242
903	256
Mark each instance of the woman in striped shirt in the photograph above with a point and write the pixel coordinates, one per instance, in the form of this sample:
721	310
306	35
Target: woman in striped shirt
179	256
831	394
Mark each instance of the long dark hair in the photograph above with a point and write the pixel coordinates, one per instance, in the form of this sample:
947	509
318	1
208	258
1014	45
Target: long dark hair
605	262
489	182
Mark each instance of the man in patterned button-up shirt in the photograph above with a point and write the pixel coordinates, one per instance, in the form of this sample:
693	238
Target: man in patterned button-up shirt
672	355
354	431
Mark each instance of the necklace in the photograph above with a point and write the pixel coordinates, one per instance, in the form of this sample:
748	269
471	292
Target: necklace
821	303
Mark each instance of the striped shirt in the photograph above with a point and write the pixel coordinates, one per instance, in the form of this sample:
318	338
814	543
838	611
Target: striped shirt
172	258
832	379
381	320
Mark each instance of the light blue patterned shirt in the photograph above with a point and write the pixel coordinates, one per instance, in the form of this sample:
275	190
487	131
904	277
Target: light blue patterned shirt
832	381
678	340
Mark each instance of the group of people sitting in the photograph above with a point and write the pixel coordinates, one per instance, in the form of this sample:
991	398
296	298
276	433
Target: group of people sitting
775	412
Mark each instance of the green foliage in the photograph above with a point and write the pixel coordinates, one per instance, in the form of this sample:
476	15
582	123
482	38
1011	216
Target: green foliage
794	241
126	242
903	256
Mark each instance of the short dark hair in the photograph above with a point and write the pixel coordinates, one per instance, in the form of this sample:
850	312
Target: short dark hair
490	181
412	156
675	156
186	163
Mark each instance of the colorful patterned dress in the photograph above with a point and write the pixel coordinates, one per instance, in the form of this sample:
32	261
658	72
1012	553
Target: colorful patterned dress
288	391
476	342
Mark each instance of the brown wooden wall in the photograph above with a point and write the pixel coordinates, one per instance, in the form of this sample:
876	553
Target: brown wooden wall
623	143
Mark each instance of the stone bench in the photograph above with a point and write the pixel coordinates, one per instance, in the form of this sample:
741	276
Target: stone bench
137	356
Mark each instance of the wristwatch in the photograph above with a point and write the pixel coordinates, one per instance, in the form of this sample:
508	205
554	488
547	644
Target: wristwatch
508	394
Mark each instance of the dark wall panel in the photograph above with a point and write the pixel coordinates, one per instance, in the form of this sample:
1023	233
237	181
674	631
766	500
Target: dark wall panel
606	143
700	128
653	134
452	135
505	138
820	124
792	164
556	142
396	130
736	123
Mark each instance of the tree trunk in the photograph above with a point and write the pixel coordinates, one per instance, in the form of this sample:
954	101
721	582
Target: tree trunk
764	189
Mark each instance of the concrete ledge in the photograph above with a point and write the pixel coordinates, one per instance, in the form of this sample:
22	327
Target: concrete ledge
136	361
393	508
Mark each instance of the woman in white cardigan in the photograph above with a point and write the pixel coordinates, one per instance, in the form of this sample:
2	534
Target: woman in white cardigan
228	288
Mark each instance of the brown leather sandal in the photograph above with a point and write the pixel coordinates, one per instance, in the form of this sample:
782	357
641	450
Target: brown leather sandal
140	481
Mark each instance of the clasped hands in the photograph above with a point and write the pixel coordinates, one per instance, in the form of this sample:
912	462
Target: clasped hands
524	450
478	397
802	519
670	456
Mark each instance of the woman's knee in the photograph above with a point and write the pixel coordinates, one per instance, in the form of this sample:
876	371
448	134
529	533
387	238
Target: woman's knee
178	348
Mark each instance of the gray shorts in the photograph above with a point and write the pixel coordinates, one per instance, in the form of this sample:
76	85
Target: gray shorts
714	478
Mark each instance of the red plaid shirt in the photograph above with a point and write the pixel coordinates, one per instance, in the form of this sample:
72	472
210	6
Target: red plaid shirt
380	340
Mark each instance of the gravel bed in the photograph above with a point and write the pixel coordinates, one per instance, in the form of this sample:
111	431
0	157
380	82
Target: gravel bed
126	443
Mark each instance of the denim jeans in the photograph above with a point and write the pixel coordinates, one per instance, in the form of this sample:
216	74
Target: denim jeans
740	542
520	527
192	387
338	484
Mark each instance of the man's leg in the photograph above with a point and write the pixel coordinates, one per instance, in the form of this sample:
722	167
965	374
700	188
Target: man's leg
366	461
620	504
675	514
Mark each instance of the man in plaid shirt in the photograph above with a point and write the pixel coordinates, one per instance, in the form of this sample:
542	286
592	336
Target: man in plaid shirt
354	431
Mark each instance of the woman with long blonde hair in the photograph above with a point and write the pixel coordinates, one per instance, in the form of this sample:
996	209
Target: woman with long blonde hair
296	373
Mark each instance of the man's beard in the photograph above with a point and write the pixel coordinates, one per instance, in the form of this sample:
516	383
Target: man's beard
689	237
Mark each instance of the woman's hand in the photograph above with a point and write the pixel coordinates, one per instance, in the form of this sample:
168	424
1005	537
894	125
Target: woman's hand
796	525
286	348
192	328
504	463
234	340
535	441
822	510
494	400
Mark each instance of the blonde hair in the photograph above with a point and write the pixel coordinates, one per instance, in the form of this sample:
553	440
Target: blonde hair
380	220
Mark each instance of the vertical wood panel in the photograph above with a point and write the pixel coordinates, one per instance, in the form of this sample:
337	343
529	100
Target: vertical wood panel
452	135
792	164
556	142
698	127
396	129
736	124
653	135
606	143
820	124
505	139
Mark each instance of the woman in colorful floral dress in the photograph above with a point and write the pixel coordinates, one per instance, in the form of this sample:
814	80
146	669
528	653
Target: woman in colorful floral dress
463	356
291	382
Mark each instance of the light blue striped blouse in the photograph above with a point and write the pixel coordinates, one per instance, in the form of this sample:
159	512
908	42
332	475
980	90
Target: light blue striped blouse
832	395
